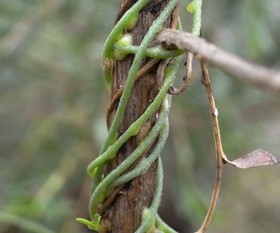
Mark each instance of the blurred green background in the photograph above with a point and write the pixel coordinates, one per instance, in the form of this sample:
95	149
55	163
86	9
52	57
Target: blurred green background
53	102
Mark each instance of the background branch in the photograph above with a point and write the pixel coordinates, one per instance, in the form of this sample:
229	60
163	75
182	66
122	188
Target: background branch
24	27
232	65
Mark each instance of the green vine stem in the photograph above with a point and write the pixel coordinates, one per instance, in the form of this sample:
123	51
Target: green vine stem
99	194
151	213
102	189
117	47
156	52
125	22
135	127
160	129
154	29
113	37
143	166
195	7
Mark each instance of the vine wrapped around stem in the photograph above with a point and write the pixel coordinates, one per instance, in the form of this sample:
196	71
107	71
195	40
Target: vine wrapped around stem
159	131
112	144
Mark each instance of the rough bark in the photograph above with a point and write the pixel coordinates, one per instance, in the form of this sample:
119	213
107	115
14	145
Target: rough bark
122	211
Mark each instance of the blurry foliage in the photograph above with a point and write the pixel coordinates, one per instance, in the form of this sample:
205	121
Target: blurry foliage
52	116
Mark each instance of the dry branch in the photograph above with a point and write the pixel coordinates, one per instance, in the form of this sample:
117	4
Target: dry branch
232	65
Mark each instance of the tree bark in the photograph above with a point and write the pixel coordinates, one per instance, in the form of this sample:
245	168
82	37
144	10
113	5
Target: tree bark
122	211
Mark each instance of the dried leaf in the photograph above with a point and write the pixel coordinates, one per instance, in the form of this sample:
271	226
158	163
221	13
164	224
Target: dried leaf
255	158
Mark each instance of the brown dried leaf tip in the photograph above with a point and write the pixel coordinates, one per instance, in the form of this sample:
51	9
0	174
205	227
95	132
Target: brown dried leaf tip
255	158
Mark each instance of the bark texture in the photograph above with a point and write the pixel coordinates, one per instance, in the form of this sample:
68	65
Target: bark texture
122	211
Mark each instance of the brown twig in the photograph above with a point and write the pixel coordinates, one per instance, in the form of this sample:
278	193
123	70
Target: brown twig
253	74
186	79
218	144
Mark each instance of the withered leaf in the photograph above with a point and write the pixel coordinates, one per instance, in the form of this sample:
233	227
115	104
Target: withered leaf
255	158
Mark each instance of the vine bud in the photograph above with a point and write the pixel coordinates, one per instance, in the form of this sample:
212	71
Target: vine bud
191	7
125	40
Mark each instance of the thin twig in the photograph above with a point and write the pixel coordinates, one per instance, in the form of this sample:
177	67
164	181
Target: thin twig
218	144
186	79
253	74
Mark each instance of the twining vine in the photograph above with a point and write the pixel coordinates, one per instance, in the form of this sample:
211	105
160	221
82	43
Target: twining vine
118	46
